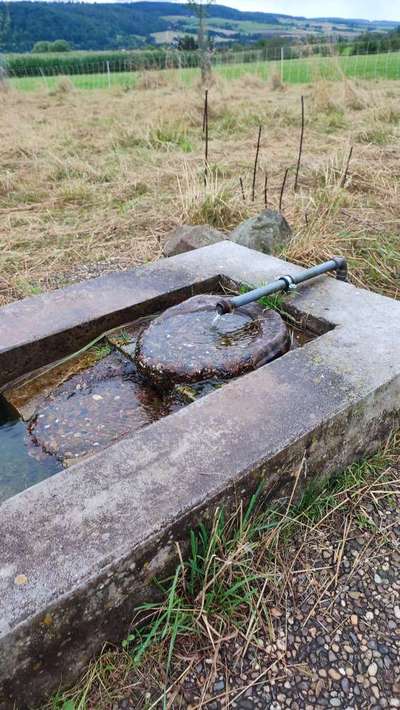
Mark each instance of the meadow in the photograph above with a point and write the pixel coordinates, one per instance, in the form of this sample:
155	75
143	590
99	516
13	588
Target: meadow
94	75
96	176
92	181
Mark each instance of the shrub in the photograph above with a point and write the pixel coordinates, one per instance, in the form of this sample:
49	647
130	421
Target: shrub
60	45
40	47
43	47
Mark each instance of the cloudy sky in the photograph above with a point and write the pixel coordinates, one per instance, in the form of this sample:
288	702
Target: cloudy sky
366	9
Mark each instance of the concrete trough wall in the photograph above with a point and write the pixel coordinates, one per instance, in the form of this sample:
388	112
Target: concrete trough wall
89	540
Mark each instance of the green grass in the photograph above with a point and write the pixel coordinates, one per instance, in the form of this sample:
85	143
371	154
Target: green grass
295	71
235	567
202	583
102	350
276	302
166	136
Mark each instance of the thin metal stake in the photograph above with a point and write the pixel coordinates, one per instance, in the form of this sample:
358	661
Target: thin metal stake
266	190
205	111
301	145
242	188
346	172
205	129
283	189
253	193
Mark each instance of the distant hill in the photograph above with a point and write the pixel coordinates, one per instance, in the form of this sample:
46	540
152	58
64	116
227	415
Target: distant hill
129	25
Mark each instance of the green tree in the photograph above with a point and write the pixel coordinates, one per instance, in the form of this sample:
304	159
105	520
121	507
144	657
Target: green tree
40	47
200	8
60	45
5	23
187	44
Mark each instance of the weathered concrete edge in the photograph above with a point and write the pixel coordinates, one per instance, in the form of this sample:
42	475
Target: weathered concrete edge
371	372
126	582
63	339
41	329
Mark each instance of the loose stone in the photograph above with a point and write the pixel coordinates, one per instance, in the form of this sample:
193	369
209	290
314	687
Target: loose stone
372	669
334	674
345	685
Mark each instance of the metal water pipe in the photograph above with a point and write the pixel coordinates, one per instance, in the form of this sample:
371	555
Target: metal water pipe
284	283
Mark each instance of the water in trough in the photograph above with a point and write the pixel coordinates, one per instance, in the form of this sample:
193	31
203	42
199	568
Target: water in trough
149	371
18	468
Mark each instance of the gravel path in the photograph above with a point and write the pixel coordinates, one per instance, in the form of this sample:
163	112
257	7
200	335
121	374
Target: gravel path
327	629
333	636
336	640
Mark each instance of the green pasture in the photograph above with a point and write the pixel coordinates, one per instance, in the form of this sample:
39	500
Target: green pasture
301	71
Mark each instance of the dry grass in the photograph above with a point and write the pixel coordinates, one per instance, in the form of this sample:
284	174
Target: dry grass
89	177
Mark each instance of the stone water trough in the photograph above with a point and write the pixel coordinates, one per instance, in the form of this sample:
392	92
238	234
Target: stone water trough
79	549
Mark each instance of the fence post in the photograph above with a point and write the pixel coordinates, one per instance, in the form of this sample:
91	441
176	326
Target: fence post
108	74
385	68
44	78
282	58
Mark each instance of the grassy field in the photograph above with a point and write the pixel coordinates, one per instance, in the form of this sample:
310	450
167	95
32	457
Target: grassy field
84	180
93	181
295	71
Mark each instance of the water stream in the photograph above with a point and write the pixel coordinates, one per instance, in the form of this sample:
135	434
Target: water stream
215	320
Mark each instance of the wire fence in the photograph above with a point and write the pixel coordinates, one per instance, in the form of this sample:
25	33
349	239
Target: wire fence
290	64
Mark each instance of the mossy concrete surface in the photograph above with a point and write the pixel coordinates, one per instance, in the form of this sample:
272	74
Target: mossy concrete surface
79	550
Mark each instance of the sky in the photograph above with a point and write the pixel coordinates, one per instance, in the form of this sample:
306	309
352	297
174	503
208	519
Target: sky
358	9
365	9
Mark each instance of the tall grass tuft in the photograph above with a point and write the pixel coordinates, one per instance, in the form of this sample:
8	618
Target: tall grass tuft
218	204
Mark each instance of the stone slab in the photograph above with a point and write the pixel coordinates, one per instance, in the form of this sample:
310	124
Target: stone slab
89	540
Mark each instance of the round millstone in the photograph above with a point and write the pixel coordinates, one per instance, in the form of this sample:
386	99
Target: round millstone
188	344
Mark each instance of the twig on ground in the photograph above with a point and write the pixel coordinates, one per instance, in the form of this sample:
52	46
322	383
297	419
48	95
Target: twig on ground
296	480
182	675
